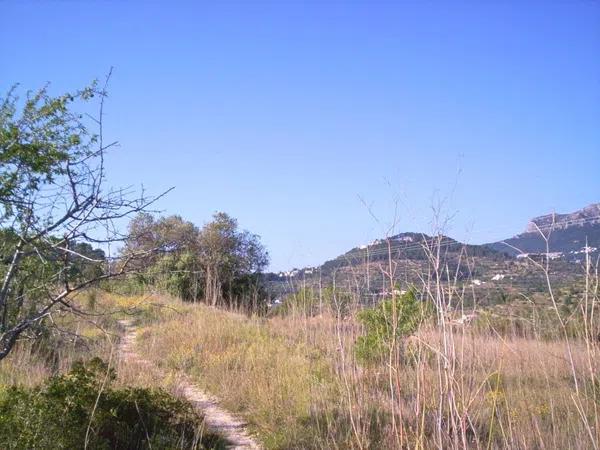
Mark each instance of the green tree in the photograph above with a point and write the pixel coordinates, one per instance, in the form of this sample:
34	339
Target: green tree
227	255
179	274
170	245
219	263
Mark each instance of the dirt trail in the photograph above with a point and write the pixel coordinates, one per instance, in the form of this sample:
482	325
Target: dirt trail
216	418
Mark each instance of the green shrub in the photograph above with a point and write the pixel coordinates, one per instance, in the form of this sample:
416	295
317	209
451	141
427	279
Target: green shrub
81	406
387	323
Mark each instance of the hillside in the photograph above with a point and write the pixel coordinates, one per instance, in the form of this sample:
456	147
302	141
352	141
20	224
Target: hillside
410	255
409	246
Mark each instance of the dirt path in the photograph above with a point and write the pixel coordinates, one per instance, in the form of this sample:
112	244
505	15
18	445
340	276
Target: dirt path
216	418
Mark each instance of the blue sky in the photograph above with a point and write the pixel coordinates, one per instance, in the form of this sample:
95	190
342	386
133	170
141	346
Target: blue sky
292	116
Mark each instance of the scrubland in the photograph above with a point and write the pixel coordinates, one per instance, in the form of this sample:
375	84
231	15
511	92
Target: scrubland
67	387
296	378
297	381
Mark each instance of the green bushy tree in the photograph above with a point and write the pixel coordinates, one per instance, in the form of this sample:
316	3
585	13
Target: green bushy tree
388	323
178	274
218	263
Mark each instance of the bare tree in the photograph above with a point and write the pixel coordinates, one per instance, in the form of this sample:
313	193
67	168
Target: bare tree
55	207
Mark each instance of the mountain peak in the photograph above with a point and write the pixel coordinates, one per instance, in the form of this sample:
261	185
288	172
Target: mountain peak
588	215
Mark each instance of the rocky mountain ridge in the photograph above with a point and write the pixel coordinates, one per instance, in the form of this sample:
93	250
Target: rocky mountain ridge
588	215
567	236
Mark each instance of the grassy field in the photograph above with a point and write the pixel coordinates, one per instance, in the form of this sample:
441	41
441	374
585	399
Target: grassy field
48	400
298	383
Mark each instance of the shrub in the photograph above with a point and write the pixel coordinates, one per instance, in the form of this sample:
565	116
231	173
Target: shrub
79	407
388	322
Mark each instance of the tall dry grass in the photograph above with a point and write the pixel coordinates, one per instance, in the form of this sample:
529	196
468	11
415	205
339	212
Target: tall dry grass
298	382
53	347
67	337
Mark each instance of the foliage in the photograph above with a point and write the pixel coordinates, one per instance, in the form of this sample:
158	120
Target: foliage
81	407
387	323
36	142
178	275
219	262
226	254
165	235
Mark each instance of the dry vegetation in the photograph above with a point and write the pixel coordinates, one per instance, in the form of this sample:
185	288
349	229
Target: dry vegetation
298	383
50	375
56	348
296	378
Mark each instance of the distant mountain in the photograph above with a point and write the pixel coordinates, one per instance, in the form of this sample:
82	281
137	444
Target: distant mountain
408	246
493	269
570	236
410	253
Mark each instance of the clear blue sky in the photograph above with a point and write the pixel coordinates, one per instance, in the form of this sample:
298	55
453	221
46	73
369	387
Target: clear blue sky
283	114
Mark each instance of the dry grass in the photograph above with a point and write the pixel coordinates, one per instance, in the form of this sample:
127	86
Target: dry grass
68	339
273	382
296	381
74	337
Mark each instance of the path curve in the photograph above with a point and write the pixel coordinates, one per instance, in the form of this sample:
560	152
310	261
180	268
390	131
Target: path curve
217	419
